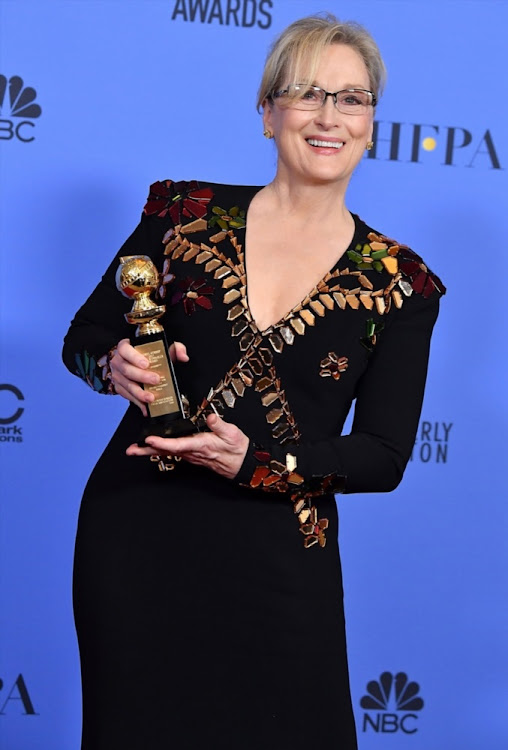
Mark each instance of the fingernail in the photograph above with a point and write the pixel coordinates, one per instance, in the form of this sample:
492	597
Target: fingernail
155	379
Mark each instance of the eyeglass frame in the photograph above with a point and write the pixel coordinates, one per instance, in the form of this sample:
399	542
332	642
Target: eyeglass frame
334	94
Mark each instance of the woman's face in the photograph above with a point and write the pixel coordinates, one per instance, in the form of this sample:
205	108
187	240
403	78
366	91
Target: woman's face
341	67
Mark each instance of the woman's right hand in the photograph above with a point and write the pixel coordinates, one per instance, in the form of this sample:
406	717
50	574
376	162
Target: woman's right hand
129	368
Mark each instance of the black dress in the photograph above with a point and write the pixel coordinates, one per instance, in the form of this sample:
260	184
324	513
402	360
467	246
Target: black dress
209	611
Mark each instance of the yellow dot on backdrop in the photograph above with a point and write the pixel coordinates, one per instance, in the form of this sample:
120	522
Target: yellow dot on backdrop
429	144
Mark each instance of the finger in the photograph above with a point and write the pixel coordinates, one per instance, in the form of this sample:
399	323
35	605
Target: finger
224	430
134	373
133	389
137	450
125	394
126	351
178	352
198	443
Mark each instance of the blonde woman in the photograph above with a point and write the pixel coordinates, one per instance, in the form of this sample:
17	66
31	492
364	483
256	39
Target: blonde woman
208	592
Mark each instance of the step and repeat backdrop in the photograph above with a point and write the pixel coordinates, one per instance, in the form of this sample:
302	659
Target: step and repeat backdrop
100	98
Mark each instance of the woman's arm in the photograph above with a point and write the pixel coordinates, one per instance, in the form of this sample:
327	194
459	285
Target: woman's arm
92	348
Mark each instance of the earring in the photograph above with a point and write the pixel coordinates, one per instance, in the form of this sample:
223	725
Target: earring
370	145
268	134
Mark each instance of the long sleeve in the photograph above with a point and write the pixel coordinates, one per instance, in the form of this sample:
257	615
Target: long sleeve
100	324
388	404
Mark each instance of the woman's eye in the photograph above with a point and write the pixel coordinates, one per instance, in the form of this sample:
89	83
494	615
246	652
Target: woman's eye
310	96
351	100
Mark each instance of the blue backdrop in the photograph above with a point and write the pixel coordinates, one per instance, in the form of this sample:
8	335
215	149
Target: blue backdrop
99	99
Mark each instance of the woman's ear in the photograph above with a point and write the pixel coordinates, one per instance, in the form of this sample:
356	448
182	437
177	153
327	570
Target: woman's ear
267	115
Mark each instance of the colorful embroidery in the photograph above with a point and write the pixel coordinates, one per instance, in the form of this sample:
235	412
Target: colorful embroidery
95	372
274	476
222	261
193	292
382	253
182	200
333	366
372	332
232	219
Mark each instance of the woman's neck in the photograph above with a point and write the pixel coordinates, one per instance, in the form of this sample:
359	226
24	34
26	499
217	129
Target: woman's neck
309	203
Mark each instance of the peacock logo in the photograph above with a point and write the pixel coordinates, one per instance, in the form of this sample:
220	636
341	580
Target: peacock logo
391	693
17	109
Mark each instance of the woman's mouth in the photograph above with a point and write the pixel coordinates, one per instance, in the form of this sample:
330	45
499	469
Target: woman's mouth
318	143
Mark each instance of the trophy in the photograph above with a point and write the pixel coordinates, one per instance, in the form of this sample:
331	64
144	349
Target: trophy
137	278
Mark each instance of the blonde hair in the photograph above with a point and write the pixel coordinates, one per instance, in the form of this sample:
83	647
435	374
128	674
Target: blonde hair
294	56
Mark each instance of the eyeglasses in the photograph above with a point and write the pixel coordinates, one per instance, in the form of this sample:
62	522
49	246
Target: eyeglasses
347	101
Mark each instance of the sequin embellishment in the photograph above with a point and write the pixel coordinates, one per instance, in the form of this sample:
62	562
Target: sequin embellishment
333	366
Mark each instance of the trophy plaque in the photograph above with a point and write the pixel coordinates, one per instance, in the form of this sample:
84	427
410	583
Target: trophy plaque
137	278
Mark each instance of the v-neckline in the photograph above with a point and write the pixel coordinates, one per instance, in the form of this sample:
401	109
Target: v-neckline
299	305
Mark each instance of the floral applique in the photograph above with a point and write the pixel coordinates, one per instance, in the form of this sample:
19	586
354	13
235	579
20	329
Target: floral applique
382	253
181	200
333	366
193	292
274	476
232	219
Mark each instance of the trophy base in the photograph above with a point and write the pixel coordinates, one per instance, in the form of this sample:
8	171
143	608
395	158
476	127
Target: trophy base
171	429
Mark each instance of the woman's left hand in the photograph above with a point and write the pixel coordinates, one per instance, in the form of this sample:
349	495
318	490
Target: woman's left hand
222	449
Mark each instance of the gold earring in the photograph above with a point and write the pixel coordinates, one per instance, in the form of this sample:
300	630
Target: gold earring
370	145
268	134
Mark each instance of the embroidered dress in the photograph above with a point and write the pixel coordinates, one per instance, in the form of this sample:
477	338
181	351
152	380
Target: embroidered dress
209	611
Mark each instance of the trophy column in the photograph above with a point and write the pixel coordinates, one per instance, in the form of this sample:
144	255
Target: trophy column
137	278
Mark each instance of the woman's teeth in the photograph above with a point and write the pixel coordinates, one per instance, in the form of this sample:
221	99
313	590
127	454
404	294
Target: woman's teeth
324	144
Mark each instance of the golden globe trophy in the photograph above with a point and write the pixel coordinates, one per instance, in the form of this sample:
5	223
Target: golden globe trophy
137	278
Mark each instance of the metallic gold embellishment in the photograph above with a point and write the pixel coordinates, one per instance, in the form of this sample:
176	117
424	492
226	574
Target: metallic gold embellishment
266	356
367	301
221	272
380	305
230	281
238	386
274	415
333	366
397	298
352	301
308	317
239	326
203	256
212	265
235	312
199	225
191	253
340	300
218	237
327	301
263	384
268	398
318	308
231	296
276	342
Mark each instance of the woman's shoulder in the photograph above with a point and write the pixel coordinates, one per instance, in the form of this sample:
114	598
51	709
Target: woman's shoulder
375	250
187	200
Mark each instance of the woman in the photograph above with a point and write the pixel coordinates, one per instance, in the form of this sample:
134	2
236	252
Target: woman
208	597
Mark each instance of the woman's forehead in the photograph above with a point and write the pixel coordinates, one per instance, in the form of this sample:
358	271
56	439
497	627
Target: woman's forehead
337	64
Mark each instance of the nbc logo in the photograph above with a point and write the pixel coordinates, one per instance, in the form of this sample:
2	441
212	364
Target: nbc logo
393	699
17	101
